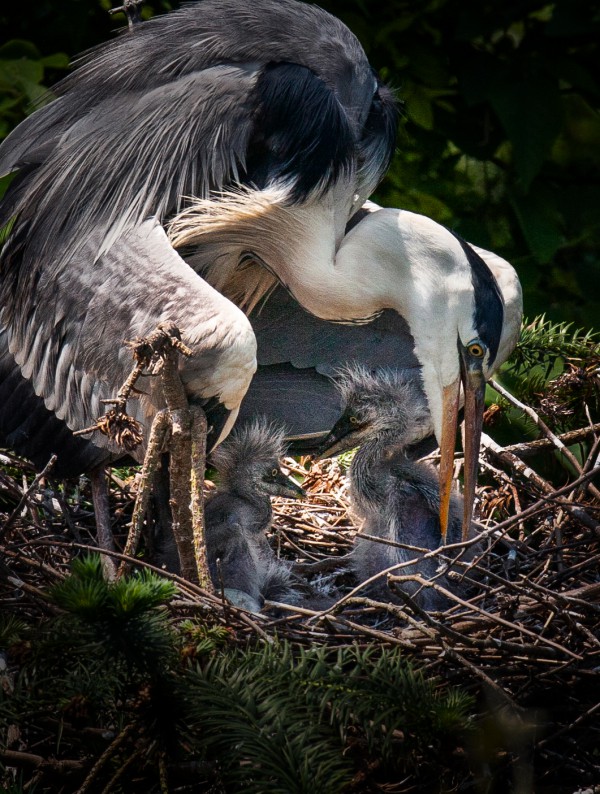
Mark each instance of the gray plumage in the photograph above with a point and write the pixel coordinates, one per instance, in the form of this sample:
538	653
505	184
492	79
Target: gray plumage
239	515
203	99
394	497
69	354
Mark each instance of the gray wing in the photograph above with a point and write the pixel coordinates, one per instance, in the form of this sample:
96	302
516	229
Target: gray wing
135	154
68	354
298	355
208	96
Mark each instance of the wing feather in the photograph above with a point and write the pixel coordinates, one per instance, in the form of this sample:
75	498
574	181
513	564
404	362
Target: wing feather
73	361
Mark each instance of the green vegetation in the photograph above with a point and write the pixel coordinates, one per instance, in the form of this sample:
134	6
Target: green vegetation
117	662
499	140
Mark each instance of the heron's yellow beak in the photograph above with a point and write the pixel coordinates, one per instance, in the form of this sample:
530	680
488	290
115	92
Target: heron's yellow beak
450	397
473	381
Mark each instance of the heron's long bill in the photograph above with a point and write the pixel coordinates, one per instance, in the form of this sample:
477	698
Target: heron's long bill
450	396
474	389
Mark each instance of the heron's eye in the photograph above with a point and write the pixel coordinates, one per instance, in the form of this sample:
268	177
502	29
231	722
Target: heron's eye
476	349
353	420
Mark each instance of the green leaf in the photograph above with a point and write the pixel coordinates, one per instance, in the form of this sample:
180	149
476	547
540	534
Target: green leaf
19	72
59	60
19	48
420	110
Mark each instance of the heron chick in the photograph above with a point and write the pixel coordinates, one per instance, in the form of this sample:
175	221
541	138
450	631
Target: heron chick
237	517
396	498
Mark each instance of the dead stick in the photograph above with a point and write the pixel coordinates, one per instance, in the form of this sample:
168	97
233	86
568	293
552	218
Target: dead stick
567	728
390	639
490	615
534	416
158	433
188	535
18	758
180	501
592	462
546	501
11	519
110	786
528	473
454	654
103	758
541	444
184	584
198	457
104	535
120	401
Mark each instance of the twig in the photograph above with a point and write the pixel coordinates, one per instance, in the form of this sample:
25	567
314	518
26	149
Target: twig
419	579
542	444
104	534
567	728
156	441
36	481
544	502
529	474
110	786
198	467
18	758
184	584
132	10
103	758
534	416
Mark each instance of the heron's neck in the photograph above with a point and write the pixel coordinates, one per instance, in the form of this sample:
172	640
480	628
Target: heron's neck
296	245
392	259
262	510
368	474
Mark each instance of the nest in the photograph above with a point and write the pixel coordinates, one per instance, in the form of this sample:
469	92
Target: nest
524	639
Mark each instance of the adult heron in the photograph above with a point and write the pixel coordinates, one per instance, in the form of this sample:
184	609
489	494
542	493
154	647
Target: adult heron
270	116
443	311
276	95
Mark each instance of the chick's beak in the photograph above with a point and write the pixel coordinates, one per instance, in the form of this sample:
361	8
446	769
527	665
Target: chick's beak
341	438
288	488
473	382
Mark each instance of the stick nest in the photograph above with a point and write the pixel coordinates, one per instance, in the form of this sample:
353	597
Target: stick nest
525	637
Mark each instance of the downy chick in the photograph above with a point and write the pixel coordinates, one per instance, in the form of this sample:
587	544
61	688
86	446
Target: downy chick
238	516
397	498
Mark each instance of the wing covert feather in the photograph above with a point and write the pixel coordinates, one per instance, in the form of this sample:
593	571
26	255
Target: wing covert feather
72	347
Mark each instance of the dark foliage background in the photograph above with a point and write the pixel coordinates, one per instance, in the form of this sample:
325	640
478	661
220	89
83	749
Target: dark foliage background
500	132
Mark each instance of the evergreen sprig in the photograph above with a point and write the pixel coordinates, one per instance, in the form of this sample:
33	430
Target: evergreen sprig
125	619
542	343
267	717
284	717
11	630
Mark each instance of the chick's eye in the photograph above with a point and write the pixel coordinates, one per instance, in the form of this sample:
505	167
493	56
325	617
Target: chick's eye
353	420
476	349
274	472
